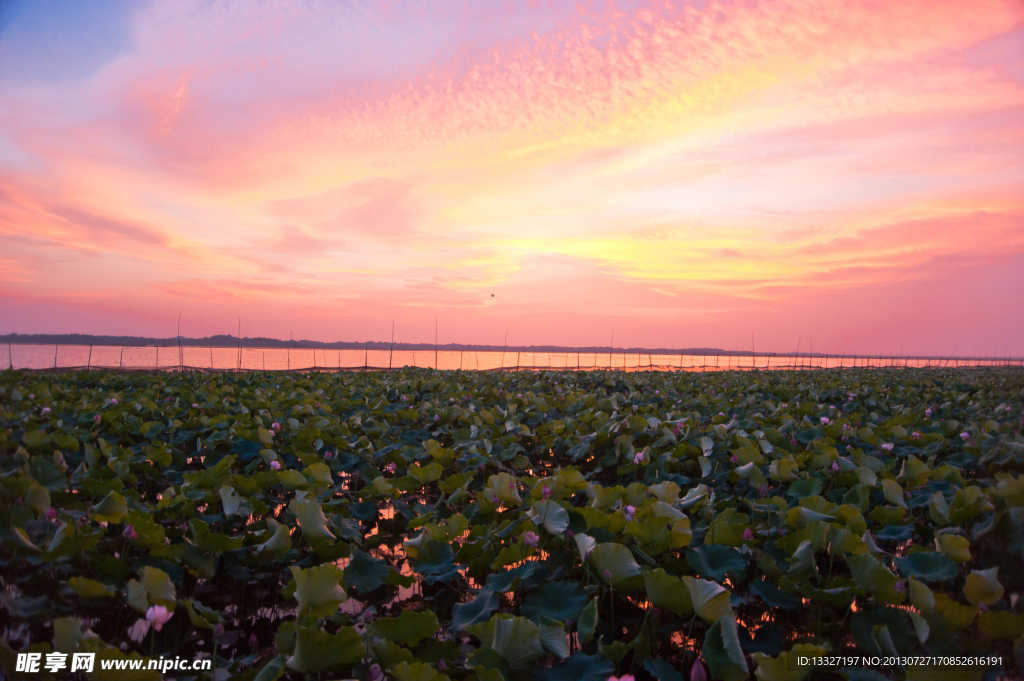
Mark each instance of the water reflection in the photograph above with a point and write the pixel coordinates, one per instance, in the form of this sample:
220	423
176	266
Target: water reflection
283	359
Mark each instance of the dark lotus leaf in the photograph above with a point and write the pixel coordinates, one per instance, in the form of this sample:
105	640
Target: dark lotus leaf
501	582
768	639
435	562
895	532
801	489
477	610
365	573
927	566
715	560
774	596
662	670
363	510
900	629
560	601
579	667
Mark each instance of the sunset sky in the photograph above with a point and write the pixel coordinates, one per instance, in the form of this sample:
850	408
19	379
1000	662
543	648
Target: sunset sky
689	174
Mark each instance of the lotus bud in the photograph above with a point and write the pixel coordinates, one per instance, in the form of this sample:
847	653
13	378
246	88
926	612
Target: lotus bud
835	466
697	672
763	489
130	533
531	539
45	410
916	435
218	630
965	436
608	575
374	673
253	641
494	500
511	485
899	585
441	665
546	492
748	534
276	465
51	513
825	420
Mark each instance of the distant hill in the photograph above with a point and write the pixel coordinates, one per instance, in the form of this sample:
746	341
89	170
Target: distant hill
225	341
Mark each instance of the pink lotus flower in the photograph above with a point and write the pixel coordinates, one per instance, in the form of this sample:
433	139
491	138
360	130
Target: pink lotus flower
194	405
697	672
218	630
887	446
899	585
511	485
735	459
51	513
374	673
748	534
763	489
927	413
519	394
630	512
639	458
494	500
792	441
437	418
835	466
608	575
916	435
846	426
158	616
130	533
45	410
531	538
825	421
113	400
965	436
96	418
275	425
276	465
32	396
391	467
546	492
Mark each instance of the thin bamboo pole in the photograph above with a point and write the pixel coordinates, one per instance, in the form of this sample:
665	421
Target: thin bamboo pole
89	363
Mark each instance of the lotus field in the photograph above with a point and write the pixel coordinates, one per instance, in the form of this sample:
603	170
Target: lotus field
420	525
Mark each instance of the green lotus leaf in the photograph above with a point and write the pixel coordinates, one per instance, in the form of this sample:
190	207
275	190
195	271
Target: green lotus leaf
553	637
153	588
416	671
722	651
615	560
318	590
67	632
587	624
518	641
927	566
561	601
893	493
668	591
312	521
983	587
662	670
549	515
666	492
954	547
873	578
802	489
111	509
90	588
710	600
212	542
316	650
477	610
279	543
365	573
714	561
408	629
579	667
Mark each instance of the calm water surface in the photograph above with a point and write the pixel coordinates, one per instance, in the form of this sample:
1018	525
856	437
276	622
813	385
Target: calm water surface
277	359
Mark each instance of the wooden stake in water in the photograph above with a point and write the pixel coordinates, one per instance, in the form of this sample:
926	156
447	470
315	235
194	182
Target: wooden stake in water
89	363
390	353
517	361
503	350
55	355
157	365
120	362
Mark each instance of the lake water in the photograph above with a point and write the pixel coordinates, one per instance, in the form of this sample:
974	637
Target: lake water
277	359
